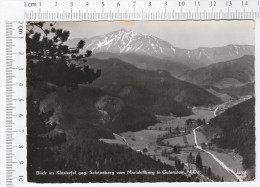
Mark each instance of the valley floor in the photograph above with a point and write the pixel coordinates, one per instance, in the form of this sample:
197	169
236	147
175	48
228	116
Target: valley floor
145	141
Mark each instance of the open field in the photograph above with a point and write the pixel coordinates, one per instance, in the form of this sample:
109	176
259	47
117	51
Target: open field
178	141
190	139
117	140
207	160
146	140
201	138
203	113
231	159
143	139
112	141
173	122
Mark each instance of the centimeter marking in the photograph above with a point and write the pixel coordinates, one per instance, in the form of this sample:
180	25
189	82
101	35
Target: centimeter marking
15	129
141	9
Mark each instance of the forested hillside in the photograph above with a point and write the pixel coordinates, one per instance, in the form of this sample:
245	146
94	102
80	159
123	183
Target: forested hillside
73	143
247	89
234	73
152	89
176	68
236	130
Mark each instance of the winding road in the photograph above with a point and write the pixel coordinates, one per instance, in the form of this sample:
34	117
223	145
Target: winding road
222	164
215	111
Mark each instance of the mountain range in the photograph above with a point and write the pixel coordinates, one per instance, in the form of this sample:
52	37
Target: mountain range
155	91
235	77
130	42
222	71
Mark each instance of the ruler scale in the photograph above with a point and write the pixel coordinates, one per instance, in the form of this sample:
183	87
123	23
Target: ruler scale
15	128
141	10
9	149
50	10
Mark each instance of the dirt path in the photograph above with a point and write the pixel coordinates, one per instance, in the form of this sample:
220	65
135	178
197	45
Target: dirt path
215	111
222	164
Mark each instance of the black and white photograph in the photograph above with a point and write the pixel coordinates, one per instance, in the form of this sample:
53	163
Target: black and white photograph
140	101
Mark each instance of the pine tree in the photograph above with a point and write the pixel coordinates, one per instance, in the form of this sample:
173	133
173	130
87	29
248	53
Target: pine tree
209	173
81	44
178	164
199	161
182	166
48	50
175	149
204	121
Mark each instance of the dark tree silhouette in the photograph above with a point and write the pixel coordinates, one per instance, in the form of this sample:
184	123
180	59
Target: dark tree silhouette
175	149
204	121
199	121
49	60
199	161
209	173
81	44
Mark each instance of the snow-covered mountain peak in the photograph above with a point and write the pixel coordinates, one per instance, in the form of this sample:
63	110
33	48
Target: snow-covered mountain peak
128	41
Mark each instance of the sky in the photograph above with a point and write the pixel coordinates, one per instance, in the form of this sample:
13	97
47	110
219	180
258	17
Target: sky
182	34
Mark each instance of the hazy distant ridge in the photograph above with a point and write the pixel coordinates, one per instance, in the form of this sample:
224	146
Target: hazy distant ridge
127	41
